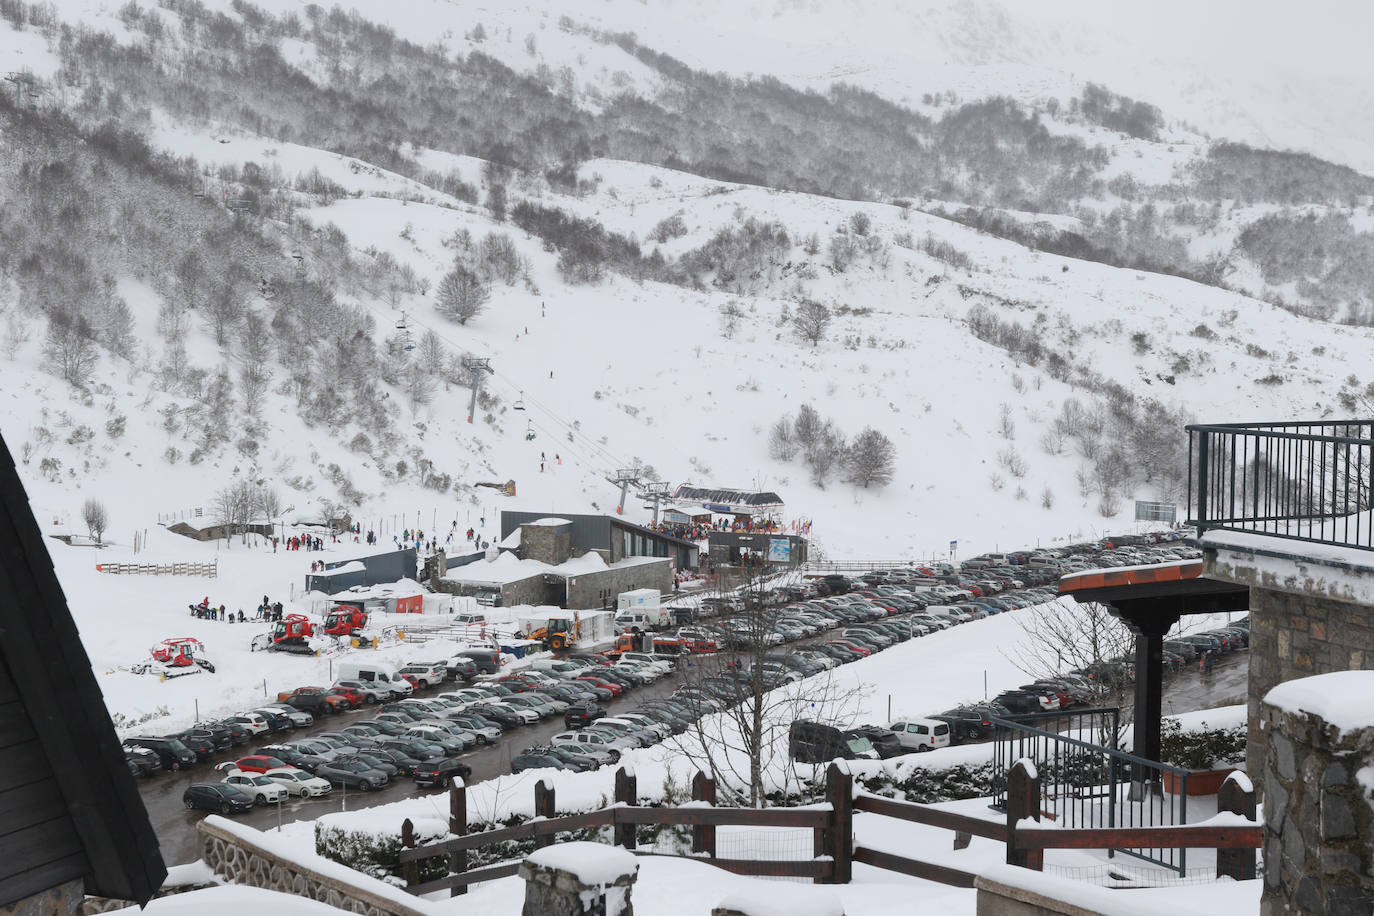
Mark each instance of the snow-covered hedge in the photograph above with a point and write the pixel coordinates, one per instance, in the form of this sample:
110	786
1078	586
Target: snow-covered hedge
375	851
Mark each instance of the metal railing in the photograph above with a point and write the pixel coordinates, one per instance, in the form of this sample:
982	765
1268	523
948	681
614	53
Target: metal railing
1084	784
1307	481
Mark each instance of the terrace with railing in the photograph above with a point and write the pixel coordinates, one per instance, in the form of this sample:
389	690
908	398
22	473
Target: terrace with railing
1303	481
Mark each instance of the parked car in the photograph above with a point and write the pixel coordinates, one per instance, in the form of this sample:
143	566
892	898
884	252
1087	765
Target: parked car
921	734
299	783
199	741
884	740
216	796
816	742
426	675
441	772
299	718
578	715
488	661
259	763
972	723
256	786
534	760
173	754
142	762
461	667
352	773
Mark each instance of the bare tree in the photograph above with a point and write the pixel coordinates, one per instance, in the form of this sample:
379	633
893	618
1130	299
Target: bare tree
811	320
871	459
825	452
1067	636
269	503
782	444
224	307
69	348
807	426
253	355
744	701
232	508
93	513
16	335
461	295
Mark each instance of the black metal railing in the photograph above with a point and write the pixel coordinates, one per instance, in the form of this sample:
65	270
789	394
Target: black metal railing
1085	784
1303	481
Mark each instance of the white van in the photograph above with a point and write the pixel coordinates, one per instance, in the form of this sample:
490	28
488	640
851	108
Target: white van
381	674
921	734
470	619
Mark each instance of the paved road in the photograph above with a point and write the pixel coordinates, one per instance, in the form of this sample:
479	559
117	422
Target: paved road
176	827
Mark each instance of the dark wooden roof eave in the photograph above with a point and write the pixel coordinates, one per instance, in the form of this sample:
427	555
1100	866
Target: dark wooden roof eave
53	674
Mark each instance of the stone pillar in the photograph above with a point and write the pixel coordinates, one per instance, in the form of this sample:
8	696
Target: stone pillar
579	879
1319	796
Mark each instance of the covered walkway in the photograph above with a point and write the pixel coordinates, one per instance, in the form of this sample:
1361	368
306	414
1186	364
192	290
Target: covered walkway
1150	600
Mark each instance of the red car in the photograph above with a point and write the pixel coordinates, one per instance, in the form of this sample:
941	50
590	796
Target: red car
615	689
354	698
853	647
258	763
412	681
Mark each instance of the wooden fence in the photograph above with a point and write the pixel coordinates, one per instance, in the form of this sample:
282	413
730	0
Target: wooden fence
832	826
210	570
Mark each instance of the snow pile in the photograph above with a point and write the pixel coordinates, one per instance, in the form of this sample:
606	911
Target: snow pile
1342	699
232	900
779	899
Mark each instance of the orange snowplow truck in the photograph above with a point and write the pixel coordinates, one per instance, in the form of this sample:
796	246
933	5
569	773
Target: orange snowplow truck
659	645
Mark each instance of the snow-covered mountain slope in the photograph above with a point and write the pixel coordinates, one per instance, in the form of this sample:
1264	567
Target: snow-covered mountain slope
1029	396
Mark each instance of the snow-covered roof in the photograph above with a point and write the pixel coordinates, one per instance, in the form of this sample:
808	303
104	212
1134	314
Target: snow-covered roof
550	521
353	566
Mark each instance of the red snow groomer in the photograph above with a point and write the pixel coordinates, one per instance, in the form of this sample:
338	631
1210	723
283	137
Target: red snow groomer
345	620
292	634
181	655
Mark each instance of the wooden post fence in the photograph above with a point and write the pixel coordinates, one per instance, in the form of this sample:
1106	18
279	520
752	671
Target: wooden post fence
544	807
839	843
458	826
1023	801
626	793
704	836
410	870
1236	863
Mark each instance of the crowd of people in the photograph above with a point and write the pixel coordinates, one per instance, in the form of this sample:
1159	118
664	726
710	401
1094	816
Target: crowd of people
268	611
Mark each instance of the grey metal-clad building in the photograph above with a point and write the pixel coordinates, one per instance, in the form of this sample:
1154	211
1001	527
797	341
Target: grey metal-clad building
378	569
613	536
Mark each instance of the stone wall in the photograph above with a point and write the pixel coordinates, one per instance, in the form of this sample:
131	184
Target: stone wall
241	861
1305	619
1318	820
63	900
551	544
599	589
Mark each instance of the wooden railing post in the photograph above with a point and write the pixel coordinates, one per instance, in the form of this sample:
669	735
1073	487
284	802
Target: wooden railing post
458	826
1023	801
626	793
704	837
839	792
410	870
543	807
1237	799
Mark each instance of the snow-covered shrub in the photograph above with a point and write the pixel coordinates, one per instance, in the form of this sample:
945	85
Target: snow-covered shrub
374	852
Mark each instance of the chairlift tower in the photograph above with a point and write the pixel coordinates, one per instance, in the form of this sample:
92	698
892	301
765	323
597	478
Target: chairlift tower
24	82
624	478
657	493
474	367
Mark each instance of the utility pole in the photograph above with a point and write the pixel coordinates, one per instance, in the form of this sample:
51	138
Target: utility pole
474	367
658	493
624	478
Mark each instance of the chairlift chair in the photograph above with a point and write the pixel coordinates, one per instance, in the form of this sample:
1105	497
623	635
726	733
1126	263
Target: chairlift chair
529	430
519	402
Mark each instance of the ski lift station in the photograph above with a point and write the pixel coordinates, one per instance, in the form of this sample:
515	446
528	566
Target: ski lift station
577	562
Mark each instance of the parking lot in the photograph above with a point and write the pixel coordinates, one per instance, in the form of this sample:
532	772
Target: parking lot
175	825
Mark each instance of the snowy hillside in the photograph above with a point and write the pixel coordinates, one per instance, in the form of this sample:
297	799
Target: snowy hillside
227	280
